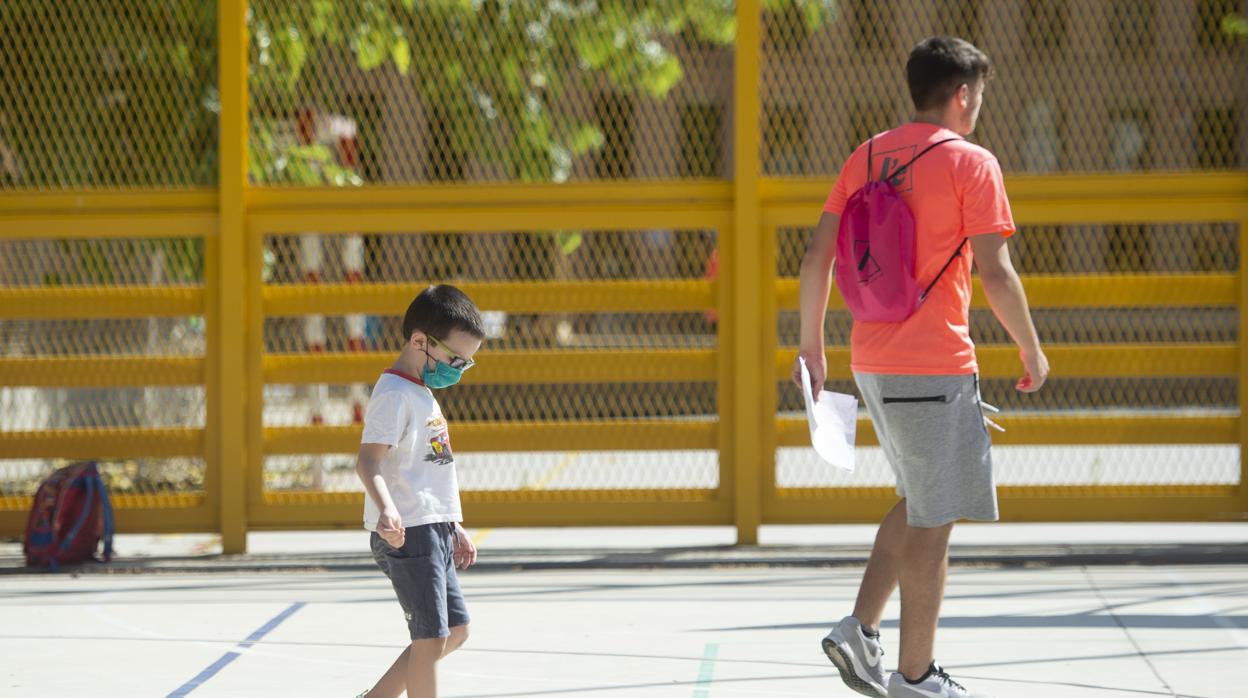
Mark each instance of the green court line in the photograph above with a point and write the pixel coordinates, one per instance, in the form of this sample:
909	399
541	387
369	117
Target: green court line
706	670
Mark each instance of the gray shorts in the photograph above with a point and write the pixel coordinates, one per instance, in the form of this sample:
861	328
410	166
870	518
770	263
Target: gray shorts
932	431
423	575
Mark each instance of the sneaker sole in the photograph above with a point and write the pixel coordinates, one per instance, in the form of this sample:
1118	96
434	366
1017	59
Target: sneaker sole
845	667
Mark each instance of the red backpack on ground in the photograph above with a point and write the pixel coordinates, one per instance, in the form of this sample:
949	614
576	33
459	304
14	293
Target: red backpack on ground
875	250
69	516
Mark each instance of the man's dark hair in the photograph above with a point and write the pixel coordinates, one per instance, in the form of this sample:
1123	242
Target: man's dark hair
938	66
439	309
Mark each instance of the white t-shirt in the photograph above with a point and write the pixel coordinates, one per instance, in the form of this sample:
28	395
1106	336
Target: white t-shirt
419	468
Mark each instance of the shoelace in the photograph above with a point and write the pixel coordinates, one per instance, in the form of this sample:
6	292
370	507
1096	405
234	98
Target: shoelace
944	678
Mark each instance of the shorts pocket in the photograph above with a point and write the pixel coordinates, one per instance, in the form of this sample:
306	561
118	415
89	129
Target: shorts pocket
914	400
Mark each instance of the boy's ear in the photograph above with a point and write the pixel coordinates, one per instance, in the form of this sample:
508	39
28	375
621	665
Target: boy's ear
417	340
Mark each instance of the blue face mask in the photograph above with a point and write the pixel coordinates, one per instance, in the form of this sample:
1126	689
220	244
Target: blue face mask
442	375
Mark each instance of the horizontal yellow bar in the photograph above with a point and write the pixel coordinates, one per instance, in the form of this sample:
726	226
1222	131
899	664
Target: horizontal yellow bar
577	508
718	192
1065	430
101	371
108	200
198	519
1061	211
806	192
646	435
289	499
1076	360
121	502
101	301
122	442
505	367
1023	503
545	297
476	219
144	224
1089	291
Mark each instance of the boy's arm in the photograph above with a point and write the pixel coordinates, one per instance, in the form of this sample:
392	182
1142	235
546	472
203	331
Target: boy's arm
368	468
815	285
1005	294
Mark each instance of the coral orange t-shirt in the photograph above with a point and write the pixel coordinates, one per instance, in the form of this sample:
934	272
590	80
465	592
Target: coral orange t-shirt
955	191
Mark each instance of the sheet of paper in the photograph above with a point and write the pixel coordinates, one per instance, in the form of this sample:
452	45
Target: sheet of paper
833	423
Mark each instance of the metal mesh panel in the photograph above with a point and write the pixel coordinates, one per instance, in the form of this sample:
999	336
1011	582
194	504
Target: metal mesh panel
518	91
526	259
110	264
113	93
1114	249
1078	86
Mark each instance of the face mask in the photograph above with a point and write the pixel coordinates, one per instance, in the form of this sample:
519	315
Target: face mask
442	375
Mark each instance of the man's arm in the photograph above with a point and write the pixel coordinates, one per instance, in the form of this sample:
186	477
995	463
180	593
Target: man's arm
1005	294
815	285
368	468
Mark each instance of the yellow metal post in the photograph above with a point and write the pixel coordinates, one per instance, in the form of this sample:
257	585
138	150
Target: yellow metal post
749	368
228	281
1243	366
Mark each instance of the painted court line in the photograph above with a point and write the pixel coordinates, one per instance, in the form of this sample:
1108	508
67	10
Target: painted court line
203	676
706	671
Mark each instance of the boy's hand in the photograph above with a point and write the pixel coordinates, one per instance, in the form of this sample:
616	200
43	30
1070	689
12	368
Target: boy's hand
465	552
390	527
1035	371
817	364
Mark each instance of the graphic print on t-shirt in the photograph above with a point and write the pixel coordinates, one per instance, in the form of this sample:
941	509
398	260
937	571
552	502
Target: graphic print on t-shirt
886	163
439	442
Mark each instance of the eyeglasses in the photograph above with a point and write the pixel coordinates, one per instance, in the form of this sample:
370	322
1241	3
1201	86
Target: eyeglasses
456	361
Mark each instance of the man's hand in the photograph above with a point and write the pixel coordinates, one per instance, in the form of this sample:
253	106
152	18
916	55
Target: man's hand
817	364
465	552
1035	371
390	527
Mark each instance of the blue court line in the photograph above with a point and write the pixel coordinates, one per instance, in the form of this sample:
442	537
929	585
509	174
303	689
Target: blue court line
203	676
707	668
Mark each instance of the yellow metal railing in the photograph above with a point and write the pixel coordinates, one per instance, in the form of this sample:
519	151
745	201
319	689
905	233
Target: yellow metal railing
746	362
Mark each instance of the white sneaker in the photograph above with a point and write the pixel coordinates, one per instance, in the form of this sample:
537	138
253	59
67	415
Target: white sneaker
857	657
936	684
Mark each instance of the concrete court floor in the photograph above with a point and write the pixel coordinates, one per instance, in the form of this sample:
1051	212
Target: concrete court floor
1068	632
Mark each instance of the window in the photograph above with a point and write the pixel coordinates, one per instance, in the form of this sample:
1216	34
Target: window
1128	139
701	140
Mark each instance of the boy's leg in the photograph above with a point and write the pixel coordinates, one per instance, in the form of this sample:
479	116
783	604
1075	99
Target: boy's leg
422	667
924	563
880	579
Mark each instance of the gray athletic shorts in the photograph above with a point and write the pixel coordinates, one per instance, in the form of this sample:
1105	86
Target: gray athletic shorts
932	431
423	575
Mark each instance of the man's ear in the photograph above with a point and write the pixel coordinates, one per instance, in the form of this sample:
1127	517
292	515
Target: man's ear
417	340
963	95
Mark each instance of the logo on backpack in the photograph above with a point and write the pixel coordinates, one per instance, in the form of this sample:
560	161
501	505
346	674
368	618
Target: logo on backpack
875	246
69	516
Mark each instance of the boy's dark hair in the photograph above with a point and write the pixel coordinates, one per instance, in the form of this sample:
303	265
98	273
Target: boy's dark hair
939	65
439	309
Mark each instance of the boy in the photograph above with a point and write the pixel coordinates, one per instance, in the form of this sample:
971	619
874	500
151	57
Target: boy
918	377
412	503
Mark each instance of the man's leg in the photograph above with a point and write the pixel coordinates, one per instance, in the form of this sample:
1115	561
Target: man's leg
394	681
880	579
459	635
924	563
422	667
